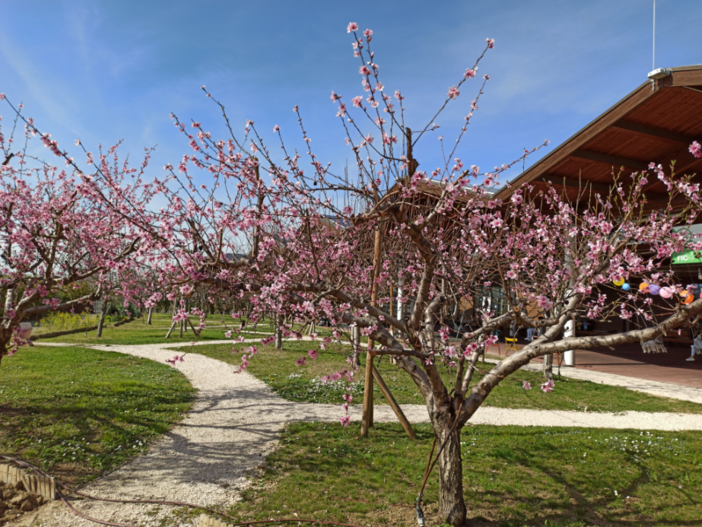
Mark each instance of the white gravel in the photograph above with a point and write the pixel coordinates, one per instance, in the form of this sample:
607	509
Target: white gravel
236	421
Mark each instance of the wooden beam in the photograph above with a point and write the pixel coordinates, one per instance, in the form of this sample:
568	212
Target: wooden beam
574	183
653	132
614	161
393	404
614	114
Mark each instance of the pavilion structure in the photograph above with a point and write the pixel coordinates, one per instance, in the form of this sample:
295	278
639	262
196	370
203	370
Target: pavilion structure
657	122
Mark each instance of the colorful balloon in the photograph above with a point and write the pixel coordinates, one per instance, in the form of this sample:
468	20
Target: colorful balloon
654	289
687	297
626	287
666	292
619	282
643	286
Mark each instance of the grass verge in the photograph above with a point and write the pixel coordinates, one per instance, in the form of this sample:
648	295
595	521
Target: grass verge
80	413
513	476
138	332
277	368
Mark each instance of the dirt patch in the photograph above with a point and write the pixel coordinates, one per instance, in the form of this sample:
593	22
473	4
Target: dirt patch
15	502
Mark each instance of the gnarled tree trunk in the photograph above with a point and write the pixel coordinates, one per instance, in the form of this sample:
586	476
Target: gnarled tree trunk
452	506
548	367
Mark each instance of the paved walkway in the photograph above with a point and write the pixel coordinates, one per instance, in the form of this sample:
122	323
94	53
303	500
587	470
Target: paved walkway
236	421
630	361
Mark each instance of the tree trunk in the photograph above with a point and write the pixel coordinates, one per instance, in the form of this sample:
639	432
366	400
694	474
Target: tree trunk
356	339
103	314
452	506
548	367
3	345
151	312
9	299
279	332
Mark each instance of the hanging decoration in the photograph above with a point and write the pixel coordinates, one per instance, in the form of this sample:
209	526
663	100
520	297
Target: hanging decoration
666	292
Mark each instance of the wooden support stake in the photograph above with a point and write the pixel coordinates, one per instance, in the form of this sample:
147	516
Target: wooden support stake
393	404
367	420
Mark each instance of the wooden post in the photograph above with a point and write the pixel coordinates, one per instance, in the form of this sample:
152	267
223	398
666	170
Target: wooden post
393	404
173	325
367	420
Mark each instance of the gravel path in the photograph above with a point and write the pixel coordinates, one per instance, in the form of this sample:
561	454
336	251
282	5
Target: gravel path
235	422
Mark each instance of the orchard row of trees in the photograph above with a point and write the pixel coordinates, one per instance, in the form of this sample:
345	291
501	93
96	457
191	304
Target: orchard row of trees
267	232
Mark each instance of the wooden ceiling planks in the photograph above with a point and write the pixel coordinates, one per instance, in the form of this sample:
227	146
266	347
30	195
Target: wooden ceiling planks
646	126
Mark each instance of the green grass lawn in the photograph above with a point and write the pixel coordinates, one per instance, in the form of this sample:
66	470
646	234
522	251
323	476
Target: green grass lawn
80	413
138	332
277	368
512	477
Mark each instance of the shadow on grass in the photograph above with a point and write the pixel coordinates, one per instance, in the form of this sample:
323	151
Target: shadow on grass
83	412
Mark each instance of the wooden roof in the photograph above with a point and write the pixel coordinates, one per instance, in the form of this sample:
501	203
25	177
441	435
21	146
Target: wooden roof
656	122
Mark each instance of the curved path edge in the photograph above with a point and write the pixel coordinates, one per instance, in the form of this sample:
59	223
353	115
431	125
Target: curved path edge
236	421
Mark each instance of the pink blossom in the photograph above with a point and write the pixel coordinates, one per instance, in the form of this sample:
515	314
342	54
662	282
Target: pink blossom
490	42
470	73
357	101
345	420
547	387
453	92
544	302
312	354
696	149
301	361
368	33
334	97
526	385
276	128
353	26
363	70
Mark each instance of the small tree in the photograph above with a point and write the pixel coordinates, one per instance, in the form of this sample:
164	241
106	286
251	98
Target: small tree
59	228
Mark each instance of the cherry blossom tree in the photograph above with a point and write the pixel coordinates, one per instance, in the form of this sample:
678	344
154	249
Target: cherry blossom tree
60	227
291	236
315	244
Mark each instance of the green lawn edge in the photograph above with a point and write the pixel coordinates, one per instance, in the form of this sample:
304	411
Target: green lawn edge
79	413
277	368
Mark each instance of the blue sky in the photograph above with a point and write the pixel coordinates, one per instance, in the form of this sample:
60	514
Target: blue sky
110	71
